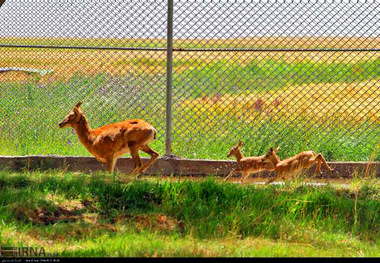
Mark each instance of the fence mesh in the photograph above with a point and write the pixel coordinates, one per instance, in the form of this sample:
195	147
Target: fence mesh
296	74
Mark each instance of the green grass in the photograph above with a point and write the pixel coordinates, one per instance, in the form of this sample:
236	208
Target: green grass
269	74
76	214
30	112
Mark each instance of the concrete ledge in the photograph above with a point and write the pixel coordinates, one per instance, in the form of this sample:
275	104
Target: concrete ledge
171	166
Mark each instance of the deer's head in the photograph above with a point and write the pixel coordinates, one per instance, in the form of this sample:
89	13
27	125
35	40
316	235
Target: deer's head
271	155
235	149
73	117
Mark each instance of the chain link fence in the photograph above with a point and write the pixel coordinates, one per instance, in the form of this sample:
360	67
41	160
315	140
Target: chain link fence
296	74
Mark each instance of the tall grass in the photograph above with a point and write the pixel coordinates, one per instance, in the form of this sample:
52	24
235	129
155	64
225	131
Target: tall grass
74	212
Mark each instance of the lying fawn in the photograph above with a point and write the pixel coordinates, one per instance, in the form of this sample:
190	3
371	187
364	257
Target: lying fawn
109	142
295	164
247	165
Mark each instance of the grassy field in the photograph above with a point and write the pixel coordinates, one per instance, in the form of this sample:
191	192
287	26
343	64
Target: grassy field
325	101
74	214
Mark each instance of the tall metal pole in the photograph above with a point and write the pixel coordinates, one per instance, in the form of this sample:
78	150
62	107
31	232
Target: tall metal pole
169	71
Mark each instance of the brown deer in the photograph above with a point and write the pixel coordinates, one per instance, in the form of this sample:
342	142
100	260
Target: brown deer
110	142
247	165
295	164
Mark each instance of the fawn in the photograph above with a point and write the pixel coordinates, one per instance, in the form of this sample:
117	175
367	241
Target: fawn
295	164
247	165
110	142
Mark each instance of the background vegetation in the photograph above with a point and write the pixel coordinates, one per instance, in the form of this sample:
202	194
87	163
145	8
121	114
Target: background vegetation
325	101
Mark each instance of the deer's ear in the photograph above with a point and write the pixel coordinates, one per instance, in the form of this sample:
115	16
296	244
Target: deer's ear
240	144
76	111
78	104
270	149
276	150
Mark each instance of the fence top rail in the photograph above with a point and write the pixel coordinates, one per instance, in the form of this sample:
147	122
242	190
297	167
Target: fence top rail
262	1
196	49
82	47
283	1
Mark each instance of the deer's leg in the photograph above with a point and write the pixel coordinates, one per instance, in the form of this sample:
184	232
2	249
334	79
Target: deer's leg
325	163
154	155
312	161
243	177
318	168
136	158
111	165
294	176
320	159
272	179
231	173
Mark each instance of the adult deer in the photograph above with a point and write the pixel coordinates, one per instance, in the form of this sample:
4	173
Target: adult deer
295	164
247	165
110	142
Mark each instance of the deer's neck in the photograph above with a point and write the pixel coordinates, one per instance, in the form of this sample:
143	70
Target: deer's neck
84	131
239	156
275	160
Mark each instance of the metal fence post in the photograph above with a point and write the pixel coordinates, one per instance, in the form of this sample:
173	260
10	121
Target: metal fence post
169	70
